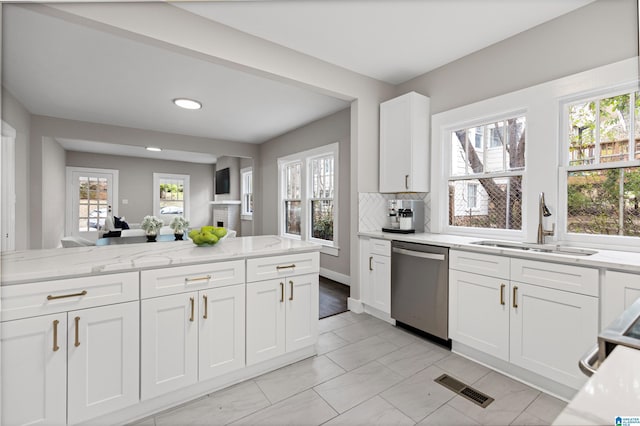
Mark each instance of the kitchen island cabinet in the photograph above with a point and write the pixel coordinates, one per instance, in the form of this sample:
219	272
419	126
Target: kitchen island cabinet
117	337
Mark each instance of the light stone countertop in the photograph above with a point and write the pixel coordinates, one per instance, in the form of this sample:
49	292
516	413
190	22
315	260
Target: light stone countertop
41	265
611	392
610	259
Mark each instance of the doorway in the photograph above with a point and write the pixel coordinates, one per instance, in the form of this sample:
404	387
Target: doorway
92	195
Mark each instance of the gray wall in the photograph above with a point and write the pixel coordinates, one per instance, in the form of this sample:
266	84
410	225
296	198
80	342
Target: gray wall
49	127
233	163
14	114
53	193
334	128
600	33
136	183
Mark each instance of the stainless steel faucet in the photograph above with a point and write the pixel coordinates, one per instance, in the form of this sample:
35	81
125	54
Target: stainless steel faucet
543	211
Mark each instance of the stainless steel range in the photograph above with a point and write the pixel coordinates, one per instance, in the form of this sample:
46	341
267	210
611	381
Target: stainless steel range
624	331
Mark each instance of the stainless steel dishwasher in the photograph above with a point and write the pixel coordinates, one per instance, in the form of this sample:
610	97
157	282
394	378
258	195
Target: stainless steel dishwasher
420	287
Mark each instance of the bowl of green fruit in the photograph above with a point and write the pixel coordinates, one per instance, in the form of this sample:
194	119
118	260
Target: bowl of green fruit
207	236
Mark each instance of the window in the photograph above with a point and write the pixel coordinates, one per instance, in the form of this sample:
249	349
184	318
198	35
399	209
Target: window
472	195
171	196
246	176
485	185
603	166
308	196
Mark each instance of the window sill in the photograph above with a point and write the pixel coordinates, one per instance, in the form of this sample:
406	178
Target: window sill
330	250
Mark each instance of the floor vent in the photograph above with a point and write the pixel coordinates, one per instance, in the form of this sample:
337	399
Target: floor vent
460	388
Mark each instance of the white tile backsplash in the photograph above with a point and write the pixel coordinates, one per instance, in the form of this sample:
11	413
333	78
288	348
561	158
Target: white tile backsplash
373	209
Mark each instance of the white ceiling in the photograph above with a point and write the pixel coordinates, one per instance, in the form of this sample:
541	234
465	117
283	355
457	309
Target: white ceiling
392	40
62	69
68	70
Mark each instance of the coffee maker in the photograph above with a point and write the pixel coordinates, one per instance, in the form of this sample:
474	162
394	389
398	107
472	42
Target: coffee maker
405	216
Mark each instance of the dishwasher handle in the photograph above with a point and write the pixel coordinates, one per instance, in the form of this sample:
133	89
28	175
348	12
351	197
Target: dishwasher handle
588	361
432	256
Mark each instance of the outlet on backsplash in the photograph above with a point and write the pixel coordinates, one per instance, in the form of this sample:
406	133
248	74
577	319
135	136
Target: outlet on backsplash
374	213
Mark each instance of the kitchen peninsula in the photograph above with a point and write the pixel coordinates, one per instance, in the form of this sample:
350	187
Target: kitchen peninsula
112	334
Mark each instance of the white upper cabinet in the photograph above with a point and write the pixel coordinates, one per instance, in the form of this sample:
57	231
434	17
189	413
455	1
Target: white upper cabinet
404	144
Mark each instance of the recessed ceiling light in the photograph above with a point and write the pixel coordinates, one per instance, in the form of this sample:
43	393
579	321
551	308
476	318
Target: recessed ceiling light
187	103
154	149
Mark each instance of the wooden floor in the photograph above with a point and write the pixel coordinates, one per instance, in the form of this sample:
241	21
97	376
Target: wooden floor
333	297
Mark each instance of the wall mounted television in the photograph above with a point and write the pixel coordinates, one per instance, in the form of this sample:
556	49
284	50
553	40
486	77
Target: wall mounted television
223	184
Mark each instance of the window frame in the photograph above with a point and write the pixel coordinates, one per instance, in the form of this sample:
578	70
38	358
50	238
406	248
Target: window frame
186	195
306	158
613	241
447	177
245	213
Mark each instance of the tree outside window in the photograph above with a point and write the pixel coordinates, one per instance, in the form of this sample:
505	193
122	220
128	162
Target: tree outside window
496	173
603	174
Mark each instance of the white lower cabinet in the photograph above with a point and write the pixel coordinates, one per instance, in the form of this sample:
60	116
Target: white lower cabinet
479	312
103	360
222	335
541	329
551	330
70	367
282	316
375	273
169	342
34	371
619	291
189	337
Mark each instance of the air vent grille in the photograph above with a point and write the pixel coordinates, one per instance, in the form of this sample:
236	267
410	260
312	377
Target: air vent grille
462	389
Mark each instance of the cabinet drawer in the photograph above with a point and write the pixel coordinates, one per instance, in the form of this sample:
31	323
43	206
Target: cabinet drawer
381	247
554	275
266	268
479	263
47	297
166	281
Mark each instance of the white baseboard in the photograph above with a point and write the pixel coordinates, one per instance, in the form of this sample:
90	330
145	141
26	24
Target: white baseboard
379	314
336	276
355	306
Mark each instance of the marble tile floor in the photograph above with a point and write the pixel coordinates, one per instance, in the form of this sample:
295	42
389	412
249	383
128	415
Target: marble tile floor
367	372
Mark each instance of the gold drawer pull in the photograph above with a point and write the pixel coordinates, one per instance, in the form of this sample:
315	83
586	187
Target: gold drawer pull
206	306
55	335
190	280
515	297
291	284
293	265
502	286
77	343
370	265
193	303
62	296
281	292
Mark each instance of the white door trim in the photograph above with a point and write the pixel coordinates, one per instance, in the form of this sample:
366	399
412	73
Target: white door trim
8	188
69	227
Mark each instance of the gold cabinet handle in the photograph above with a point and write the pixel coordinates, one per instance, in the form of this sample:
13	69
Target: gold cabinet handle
190	280
77	320
193	303
515	297
291	286
406	181
370	264
502	286
293	265
281	292
206	306
55	335
62	296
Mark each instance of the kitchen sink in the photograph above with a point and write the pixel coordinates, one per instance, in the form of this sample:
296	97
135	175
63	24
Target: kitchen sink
554	249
